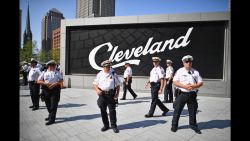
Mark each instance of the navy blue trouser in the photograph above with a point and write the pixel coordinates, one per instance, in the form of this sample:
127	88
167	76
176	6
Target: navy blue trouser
34	93
104	101
51	101
168	92
155	100
181	100
128	87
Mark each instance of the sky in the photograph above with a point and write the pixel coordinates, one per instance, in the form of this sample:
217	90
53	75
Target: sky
39	8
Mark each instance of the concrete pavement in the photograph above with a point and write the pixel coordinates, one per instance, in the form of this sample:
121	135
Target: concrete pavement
79	119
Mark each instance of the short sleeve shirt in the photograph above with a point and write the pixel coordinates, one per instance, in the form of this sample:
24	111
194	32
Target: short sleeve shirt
182	76
156	74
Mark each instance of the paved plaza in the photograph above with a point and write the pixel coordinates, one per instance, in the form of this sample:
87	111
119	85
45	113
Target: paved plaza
79	119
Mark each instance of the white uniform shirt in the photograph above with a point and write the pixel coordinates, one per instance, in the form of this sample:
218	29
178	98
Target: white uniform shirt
105	81
51	76
127	72
39	66
182	76
156	74
169	71
34	74
26	68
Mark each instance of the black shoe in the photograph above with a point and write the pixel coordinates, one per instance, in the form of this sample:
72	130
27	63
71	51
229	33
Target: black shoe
164	101
165	112
168	101
35	108
196	130
123	99
49	122
135	97
31	106
105	128
115	130
148	116
173	128
47	119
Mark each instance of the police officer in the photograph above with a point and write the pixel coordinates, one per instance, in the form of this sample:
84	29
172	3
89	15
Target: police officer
187	80
51	80
156	81
114	73
127	82
34	87
104	85
168	92
25	70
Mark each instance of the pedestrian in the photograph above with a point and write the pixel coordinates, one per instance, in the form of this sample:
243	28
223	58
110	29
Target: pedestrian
156	81
187	80
33	86
51	80
107	86
25	70
127	82
168	92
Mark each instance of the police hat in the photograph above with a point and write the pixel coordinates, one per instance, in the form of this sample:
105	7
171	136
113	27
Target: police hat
106	63
169	62
51	63
156	58
33	60
187	58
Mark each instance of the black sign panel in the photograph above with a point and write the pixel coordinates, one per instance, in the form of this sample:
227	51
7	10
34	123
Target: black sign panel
88	46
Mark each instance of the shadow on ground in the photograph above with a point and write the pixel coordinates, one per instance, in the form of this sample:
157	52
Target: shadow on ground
148	97
132	102
79	117
70	105
220	124
140	124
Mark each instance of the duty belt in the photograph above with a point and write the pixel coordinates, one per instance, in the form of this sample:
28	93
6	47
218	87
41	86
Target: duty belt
108	92
187	93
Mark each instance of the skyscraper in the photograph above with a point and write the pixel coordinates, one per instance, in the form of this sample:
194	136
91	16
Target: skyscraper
56	38
50	21
95	8
20	26
27	35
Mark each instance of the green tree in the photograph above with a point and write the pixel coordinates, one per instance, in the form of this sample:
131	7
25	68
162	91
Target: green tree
56	54
41	55
50	54
26	51
35	50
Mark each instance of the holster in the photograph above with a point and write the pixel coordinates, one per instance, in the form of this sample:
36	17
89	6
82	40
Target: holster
177	92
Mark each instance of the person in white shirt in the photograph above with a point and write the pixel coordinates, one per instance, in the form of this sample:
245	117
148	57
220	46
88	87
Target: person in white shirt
114	73
107	87
25	70
127	82
39	66
156	81
168	92
51	80
187	80
34	87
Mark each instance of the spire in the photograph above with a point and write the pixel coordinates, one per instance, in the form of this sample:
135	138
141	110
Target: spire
28	31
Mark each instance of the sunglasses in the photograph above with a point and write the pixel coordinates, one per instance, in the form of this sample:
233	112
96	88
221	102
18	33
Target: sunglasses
187	61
